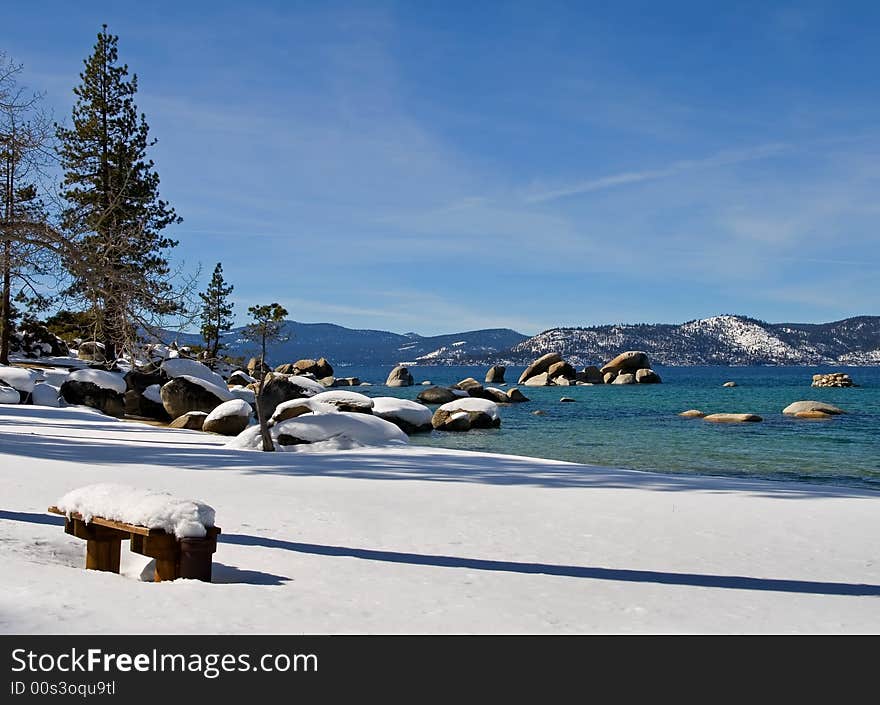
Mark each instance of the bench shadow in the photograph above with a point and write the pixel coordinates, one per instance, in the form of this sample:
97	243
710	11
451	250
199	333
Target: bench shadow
733	582
229	574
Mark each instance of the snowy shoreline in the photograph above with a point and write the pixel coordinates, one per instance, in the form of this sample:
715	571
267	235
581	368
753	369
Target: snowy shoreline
426	540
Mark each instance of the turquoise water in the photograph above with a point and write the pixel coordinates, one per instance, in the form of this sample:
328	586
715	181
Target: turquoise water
637	427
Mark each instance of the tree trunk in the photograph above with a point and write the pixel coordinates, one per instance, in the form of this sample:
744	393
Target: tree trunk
6	314
268	445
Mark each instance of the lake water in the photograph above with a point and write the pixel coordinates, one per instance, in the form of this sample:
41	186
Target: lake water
638	427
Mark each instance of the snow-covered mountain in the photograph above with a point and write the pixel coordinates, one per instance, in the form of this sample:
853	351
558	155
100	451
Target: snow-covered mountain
719	340
348	346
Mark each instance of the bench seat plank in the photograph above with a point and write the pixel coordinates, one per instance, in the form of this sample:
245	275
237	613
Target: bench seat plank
212	531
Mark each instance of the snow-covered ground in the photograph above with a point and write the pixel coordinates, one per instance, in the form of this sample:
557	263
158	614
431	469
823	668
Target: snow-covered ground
418	540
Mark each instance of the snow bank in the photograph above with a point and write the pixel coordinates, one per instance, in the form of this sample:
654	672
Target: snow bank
484	406
18	378
100	378
233	407
409	411
132	505
181	367
46	395
325	432
8	395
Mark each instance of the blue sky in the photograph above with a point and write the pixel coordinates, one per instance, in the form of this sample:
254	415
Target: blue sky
436	167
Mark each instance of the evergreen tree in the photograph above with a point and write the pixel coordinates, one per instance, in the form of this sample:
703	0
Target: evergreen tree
267	328
216	313
114	209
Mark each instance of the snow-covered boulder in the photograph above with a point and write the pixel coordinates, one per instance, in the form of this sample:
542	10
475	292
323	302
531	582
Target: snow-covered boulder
182	367
281	388
466	414
241	378
229	419
185	393
185	518
19	378
410	416
91	350
97	389
323	403
324	432
45	394
248	395
8	395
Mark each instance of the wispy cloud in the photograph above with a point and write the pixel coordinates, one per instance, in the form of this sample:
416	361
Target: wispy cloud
723	158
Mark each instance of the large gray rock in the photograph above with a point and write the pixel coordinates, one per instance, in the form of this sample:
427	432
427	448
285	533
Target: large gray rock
591	375
628	361
183	394
561	369
437	395
91	350
399	377
542	364
229	419
494	394
495	374
278	389
646	376
625	378
192	420
466	414
136	404
541	380
732	418
799	406
103	399
515	396
256	369
468	385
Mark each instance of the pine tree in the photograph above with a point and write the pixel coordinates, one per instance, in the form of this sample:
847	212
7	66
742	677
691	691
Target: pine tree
216	313
266	328
114	207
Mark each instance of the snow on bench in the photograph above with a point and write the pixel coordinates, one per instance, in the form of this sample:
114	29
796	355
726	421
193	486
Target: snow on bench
179	533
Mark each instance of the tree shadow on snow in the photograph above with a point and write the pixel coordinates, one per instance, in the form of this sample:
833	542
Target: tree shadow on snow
400	463
733	582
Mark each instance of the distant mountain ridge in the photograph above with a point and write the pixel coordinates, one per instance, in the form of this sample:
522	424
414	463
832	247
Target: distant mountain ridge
348	346
719	340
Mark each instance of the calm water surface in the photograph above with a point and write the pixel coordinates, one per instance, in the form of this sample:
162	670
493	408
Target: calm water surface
637	427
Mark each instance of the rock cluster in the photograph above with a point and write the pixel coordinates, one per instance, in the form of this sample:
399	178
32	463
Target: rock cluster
631	367
832	379
33	340
470	388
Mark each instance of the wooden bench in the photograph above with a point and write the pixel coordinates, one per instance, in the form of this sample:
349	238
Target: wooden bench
175	558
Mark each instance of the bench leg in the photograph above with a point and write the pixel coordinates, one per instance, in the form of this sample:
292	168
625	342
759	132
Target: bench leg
103	554
195	558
